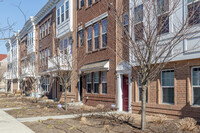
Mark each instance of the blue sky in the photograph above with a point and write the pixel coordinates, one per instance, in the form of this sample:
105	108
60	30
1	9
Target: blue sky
8	11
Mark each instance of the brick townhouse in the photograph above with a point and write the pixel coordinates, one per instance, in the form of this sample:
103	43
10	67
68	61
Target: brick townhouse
96	62
45	28
27	57
176	90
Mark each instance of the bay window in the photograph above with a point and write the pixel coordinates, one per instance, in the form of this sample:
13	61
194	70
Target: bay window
196	85
168	86
89	83
89	39
96	36
96	82
104	33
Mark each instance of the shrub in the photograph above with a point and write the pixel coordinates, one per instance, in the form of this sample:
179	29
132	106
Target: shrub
100	106
187	124
87	108
159	118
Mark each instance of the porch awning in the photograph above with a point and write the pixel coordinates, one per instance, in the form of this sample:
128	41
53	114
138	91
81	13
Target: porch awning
94	67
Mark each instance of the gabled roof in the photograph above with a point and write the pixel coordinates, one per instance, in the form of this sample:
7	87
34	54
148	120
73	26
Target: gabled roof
2	56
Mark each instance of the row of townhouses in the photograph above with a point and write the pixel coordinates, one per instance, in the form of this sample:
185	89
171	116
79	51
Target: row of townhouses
85	32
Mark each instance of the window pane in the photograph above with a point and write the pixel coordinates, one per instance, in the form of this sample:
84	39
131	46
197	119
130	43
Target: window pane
104	26
104	88
196	95
168	95
96	29
138	14
168	78
96	77
89	78
162	6
67	9
96	87
196	76
88	88
163	24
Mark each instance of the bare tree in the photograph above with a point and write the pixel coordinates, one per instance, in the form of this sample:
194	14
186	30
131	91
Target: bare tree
62	64
151	38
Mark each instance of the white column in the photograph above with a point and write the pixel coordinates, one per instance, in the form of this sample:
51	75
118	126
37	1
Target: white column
119	92
18	85
11	86
130	93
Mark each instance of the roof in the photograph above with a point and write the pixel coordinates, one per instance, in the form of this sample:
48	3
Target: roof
3	56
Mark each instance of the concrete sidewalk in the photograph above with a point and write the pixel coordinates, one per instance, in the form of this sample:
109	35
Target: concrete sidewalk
33	119
9	124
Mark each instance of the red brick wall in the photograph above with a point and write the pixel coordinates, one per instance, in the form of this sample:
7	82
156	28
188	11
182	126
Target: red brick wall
182	93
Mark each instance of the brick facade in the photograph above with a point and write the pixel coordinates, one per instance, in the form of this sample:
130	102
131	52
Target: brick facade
182	106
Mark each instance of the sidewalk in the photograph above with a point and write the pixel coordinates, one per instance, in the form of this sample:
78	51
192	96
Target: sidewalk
9	124
33	119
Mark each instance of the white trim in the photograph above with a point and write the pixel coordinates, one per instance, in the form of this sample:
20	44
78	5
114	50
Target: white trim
166	87
102	16
193	86
80	28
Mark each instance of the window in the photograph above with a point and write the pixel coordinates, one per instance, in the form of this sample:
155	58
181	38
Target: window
81	37
89	82
46	85
61	45
62	13
46	27
104	82
140	90
49	52
43	30
196	85
96	36
89	39
163	16
96	82
40	32
193	12
43	55
67	10
61	87
138	20
69	89
168	86
104	33
82	3
49	26
58	16
46	56
89	2
125	23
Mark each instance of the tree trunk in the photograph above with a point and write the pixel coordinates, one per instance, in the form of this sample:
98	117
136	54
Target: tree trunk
143	107
65	98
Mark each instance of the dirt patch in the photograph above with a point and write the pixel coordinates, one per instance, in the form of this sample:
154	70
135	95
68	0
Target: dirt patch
102	124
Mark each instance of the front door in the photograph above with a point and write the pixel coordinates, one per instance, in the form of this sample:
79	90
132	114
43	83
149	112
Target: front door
80	89
125	93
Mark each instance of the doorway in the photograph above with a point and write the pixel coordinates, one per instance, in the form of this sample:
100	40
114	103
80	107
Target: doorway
81	89
125	93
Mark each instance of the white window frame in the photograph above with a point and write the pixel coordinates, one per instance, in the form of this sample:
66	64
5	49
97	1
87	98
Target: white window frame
193	85
88	82
103	82
58	16
103	33
96	36
89	39
167	86
66	10
95	82
62	13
